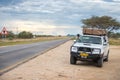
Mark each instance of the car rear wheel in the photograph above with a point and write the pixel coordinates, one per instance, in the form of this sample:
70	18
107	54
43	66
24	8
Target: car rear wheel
72	60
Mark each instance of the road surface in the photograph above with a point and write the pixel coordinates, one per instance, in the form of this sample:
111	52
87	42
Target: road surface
13	54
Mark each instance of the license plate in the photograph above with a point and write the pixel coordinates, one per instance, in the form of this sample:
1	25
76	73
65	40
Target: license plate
84	55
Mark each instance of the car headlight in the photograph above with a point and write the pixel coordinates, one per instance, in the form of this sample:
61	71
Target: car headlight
96	51
74	49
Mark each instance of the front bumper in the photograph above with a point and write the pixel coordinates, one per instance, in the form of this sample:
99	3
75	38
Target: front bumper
89	57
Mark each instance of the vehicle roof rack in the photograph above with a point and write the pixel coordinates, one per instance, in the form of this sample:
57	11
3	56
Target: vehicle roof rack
92	31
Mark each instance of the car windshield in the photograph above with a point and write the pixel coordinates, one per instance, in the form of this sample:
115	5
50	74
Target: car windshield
90	39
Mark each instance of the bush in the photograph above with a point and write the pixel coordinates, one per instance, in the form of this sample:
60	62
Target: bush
114	41
10	35
25	35
10	38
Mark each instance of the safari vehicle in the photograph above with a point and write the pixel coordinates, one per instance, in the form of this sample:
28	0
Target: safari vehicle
91	46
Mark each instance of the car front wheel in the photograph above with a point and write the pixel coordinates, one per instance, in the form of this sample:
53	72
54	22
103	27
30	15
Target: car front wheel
72	60
100	62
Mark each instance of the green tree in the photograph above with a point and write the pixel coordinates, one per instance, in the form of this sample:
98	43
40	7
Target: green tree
103	22
25	35
10	35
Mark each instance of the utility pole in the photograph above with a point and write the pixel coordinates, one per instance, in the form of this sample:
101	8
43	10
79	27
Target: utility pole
17	32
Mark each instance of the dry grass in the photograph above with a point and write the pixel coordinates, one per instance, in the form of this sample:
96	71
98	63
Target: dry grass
113	41
27	41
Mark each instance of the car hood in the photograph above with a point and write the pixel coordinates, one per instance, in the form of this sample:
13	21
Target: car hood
87	45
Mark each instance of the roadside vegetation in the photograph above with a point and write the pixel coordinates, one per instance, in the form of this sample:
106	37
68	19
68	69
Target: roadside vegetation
26	38
114	41
114	38
27	41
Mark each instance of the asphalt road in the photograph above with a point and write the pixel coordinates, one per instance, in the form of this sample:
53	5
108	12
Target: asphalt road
13	54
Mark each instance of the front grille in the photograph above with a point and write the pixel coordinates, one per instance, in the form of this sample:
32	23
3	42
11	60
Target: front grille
84	49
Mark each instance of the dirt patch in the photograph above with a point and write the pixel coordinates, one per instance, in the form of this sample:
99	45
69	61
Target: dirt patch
55	65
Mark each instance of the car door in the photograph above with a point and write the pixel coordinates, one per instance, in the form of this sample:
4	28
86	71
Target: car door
105	45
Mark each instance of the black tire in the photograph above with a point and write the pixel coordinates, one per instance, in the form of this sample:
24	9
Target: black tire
106	59
72	60
95	61
100	62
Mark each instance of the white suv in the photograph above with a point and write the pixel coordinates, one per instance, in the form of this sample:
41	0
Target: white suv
90	48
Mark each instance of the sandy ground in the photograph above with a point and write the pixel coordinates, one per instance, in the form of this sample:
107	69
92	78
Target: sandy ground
55	65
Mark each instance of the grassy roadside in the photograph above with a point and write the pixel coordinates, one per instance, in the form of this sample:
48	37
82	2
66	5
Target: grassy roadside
113	41
28	41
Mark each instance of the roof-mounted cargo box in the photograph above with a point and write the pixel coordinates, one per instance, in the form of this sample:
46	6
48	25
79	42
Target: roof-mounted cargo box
91	31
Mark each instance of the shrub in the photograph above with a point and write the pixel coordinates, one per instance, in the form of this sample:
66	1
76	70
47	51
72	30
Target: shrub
25	35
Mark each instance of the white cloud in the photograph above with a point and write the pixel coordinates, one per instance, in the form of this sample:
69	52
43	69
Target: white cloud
74	16
54	16
84	1
116	0
40	28
61	6
49	6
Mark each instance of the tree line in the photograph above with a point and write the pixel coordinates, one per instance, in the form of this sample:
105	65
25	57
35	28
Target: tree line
22	35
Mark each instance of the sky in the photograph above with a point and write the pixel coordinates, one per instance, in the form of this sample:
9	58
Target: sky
53	17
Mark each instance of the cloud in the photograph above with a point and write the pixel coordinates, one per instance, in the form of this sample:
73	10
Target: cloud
62	8
50	6
116	0
40	28
87	1
54	16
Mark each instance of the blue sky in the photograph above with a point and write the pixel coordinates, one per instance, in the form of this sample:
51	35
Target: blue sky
57	17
